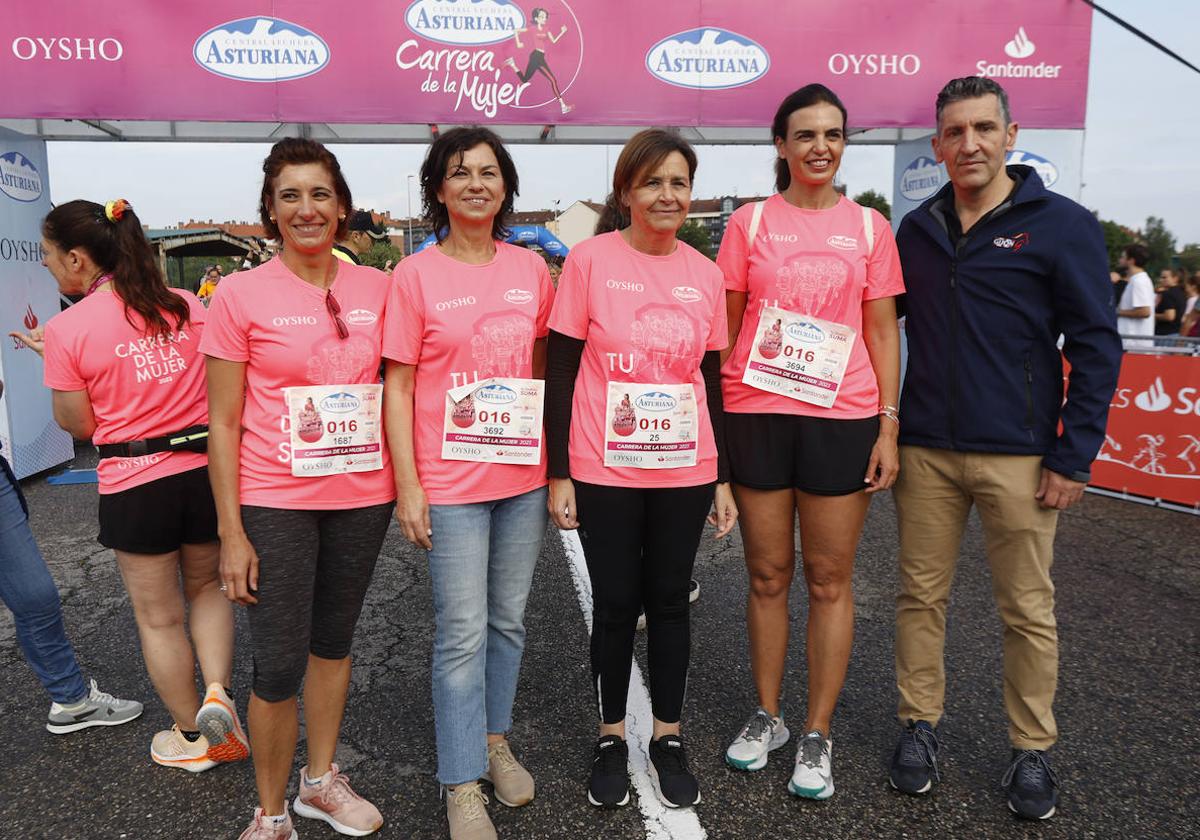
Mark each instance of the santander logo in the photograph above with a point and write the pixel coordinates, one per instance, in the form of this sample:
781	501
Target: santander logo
686	294
1020	46
1154	398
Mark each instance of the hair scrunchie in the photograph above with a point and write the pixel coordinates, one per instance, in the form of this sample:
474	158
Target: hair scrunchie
114	210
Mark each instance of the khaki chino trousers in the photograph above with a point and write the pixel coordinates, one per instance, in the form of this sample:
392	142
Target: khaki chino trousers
934	495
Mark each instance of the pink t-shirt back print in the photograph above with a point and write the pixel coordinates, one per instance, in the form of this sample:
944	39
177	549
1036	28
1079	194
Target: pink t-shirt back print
140	386
646	319
461	323
812	262
279	326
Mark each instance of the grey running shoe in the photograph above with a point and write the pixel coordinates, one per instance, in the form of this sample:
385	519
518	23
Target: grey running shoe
761	734
97	709
812	777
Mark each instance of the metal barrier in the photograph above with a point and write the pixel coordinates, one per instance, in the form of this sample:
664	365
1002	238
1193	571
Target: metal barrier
1174	345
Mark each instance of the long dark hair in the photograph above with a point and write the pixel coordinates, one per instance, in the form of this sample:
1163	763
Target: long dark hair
809	95
119	247
297	151
643	151
448	147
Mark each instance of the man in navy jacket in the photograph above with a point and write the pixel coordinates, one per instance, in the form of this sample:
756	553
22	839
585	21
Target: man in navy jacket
996	269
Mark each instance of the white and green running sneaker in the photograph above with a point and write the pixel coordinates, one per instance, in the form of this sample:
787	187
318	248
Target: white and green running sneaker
813	776
761	734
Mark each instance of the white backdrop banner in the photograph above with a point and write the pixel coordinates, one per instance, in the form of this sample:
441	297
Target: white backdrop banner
1057	156
31	439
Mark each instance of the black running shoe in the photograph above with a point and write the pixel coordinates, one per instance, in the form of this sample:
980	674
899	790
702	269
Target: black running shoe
914	763
677	787
608	786
1032	785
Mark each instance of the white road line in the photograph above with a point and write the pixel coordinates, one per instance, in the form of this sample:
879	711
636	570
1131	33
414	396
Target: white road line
662	823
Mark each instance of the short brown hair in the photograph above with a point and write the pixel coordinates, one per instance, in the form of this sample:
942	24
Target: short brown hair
297	151
644	151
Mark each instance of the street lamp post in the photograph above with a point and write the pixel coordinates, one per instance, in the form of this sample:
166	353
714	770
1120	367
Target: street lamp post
410	239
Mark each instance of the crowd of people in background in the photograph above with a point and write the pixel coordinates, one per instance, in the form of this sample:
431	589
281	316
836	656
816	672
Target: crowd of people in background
1153	310
255	451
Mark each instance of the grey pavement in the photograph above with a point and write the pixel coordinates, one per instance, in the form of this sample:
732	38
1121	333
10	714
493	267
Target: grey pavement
1128	581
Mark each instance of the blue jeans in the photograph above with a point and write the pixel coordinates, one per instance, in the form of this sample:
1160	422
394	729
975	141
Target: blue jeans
481	566
28	590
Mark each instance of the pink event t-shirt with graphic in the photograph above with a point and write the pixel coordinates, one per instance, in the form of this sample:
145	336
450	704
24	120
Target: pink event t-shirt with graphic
140	386
644	319
280	327
461	323
812	262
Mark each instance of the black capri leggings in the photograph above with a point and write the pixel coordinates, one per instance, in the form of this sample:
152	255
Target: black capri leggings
314	567
640	547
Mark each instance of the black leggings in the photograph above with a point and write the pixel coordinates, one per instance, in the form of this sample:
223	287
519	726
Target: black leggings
537	62
640	546
314	567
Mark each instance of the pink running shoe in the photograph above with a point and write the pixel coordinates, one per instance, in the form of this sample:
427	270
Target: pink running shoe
330	798
218	721
263	827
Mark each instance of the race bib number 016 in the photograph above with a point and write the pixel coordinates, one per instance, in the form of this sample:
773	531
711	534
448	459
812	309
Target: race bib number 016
495	421
335	429
799	356
650	427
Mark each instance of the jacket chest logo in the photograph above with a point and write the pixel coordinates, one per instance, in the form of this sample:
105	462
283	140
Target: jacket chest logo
1012	243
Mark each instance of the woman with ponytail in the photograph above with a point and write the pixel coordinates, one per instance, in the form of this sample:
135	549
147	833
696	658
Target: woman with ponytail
126	371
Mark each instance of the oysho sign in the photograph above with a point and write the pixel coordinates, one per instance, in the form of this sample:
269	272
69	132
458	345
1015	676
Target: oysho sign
261	49
19	178
465	22
707	58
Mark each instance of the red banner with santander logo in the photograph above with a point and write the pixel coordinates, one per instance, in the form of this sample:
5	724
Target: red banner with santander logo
587	62
1152	444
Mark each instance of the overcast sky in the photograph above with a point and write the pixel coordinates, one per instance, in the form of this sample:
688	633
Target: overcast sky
1141	154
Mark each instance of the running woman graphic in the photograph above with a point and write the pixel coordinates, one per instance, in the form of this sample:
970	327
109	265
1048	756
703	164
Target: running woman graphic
542	37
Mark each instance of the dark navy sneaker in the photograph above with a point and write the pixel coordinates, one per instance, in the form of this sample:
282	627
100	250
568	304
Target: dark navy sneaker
673	780
608	786
1032	785
914	763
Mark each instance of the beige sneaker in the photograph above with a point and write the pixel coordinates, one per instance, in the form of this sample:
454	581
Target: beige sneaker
468	817
218	721
512	783
170	749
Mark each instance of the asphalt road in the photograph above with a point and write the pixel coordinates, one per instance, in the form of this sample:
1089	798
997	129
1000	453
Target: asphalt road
1128	581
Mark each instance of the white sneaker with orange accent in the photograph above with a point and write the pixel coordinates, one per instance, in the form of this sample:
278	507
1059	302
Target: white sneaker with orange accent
218	722
170	749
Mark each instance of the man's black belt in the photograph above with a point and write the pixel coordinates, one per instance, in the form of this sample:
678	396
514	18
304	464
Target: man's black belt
191	439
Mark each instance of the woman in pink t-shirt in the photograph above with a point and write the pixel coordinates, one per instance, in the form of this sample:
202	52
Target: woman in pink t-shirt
634	433
465	341
126	370
811	380
301	476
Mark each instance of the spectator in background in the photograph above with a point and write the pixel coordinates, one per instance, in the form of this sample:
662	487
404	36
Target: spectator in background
1135	311
1172	299
212	276
1190	324
361	234
1119	283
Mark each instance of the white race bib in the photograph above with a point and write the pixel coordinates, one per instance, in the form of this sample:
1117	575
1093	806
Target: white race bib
335	429
494	421
649	426
799	356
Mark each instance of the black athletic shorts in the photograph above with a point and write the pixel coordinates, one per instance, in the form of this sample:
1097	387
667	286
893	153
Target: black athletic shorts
159	516
817	455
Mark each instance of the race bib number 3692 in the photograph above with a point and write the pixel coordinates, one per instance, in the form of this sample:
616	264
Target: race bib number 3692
495	421
799	356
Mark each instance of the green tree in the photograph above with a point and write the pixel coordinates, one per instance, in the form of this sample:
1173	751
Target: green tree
1189	257
381	254
1161	244
870	198
1116	238
696	235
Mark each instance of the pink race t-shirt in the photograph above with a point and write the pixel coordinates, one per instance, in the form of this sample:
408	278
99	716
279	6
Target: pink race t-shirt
280	327
644	319
461	323
140	386
812	262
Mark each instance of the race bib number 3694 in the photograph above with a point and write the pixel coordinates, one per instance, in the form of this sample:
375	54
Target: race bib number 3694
799	356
